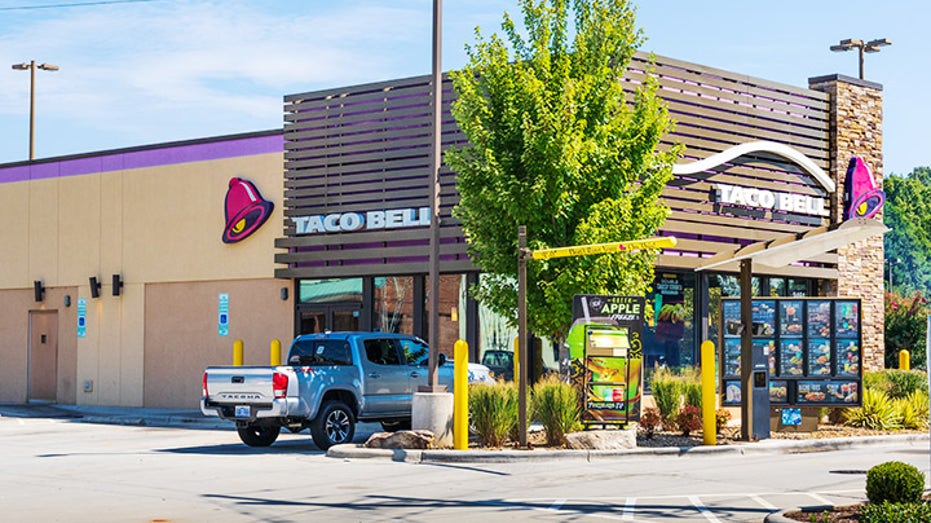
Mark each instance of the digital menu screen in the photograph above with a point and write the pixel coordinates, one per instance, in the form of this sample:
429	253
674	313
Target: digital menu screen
812	346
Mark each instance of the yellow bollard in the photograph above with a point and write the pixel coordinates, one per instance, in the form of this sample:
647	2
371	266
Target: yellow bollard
274	356
905	360
708	400
461	395
237	353
516	359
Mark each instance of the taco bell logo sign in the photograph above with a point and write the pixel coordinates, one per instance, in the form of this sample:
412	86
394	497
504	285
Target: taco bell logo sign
246	210
357	221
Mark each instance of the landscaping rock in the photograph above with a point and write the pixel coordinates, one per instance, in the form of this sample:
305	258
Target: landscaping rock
603	439
402	439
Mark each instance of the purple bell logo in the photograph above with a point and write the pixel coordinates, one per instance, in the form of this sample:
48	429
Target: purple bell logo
246	210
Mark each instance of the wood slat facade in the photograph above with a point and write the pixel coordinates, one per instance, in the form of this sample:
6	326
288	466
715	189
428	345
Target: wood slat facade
367	147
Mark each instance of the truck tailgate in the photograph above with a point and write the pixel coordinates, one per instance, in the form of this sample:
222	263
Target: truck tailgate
240	385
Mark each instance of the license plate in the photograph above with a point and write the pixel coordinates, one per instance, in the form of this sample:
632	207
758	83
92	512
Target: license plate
243	411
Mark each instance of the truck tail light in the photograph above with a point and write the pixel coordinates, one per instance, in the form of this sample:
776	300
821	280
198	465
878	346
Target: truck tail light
280	384
204	389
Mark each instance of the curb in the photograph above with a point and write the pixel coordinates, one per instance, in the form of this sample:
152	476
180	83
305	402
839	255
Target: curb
779	517
355	451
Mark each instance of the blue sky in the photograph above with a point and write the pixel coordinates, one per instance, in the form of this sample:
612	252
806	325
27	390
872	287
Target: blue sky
141	72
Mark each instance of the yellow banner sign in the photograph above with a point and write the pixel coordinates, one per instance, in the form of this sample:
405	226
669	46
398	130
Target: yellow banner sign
605	248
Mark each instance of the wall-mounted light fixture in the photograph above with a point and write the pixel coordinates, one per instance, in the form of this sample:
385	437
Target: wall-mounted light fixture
67	300
284	293
39	290
95	287
454	314
117	284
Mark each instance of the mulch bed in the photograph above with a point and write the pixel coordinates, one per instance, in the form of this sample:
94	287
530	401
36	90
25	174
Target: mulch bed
847	514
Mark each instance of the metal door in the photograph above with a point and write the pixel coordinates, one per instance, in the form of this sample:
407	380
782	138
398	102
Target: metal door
43	356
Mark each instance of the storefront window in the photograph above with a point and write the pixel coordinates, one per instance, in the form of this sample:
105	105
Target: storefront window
496	345
669	337
777	286
330	290
449	317
799	287
394	304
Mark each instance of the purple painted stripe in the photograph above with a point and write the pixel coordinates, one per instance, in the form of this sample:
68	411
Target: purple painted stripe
136	159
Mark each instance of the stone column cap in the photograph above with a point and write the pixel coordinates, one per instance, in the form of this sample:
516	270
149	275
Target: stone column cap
846	79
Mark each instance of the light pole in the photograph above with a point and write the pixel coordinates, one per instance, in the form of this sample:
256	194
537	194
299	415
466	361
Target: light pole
873	46
891	262
31	66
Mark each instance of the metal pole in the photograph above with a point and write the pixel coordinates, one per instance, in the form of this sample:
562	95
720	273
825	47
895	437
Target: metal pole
434	300
928	355
522	334
746	350
32	109
860	47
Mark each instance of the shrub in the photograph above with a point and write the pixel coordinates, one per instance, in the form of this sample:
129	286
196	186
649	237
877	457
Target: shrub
913	410
905	323
555	404
493	411
691	386
895	512
689	419
666	388
650	420
721	419
904	382
878	412
894	481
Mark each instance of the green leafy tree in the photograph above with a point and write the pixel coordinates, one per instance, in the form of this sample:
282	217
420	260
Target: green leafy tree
555	144
908	243
906	327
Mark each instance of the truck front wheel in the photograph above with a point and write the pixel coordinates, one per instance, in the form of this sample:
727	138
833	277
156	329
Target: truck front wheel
258	435
333	425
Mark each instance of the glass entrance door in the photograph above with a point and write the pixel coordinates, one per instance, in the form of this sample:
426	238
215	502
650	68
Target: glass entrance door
315	318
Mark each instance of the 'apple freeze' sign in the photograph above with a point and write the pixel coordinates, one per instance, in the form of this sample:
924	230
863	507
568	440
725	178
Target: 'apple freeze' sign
356	221
778	201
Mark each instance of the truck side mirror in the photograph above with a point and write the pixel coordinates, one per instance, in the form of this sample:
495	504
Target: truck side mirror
441	359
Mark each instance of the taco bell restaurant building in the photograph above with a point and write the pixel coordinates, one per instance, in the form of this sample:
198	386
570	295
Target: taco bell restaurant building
126	272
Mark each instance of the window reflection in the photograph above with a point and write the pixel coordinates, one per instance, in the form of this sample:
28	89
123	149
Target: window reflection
394	304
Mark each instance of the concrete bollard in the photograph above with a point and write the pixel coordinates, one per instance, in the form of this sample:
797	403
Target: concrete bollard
905	360
274	356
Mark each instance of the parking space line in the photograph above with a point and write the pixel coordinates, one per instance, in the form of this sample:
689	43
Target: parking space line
819	498
763	503
703	509
629	509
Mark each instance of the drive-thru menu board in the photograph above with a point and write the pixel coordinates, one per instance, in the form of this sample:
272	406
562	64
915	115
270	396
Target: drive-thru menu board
813	347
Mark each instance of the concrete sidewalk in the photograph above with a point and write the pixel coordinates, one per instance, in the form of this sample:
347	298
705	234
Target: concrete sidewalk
770	446
176	418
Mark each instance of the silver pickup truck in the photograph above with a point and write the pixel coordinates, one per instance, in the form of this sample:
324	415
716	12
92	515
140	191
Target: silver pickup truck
331	381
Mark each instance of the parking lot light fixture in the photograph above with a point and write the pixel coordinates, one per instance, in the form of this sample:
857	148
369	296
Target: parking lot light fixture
873	46
31	67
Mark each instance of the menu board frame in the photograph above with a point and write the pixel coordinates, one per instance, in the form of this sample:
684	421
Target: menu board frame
824	335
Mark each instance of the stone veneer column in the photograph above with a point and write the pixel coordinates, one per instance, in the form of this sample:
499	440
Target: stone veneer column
856	130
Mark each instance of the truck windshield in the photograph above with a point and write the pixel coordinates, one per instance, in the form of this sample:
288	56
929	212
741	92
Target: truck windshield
320	352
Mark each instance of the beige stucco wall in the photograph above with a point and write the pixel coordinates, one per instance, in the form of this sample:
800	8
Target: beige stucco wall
156	225
181	336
